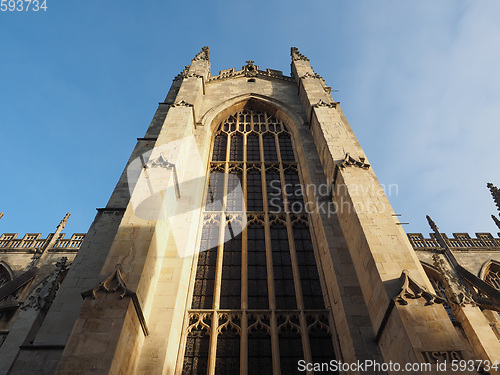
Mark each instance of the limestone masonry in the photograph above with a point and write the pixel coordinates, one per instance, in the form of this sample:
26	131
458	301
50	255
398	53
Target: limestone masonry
247	233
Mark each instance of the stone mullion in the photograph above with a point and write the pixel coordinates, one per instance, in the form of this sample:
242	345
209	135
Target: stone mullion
184	335
244	272
228	145
275	343
244	248
182	349
218	271
269	263
216	302
244	344
213	344
284	196
293	257
298	292
305	340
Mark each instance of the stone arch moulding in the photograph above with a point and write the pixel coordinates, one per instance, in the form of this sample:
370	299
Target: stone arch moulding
216	114
486	267
5	266
293	120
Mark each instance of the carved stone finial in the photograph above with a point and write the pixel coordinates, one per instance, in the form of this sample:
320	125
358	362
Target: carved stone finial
203	55
296	55
64	221
440	239
309	75
250	69
181	103
1	215
432	223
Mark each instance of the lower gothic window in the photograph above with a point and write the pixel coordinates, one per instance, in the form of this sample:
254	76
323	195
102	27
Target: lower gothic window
257	303
437	282
4	275
492	275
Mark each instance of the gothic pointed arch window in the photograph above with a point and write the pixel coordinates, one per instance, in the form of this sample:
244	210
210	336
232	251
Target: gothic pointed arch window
491	274
6	275
257	303
436	280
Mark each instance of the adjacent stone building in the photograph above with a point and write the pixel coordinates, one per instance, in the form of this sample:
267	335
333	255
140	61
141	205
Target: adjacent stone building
247	234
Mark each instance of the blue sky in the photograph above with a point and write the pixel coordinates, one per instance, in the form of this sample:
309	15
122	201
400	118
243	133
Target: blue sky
418	82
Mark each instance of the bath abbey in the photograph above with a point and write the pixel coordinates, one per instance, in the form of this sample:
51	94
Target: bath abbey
248	234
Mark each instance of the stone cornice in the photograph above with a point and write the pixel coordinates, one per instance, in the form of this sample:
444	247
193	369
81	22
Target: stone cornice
268	73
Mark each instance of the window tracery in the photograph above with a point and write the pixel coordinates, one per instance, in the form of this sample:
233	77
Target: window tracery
257	302
492	275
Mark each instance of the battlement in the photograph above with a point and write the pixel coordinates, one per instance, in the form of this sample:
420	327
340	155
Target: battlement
34	241
460	242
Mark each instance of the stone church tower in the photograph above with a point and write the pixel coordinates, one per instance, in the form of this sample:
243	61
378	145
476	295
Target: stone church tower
249	232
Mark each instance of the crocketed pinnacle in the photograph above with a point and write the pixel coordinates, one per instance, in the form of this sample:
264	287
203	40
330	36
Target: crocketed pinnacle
204	54
495	193
296	55
495	219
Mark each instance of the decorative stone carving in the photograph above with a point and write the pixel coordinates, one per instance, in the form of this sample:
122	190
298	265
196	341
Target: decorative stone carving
182	74
309	75
250	70
42	296
350	161
203	55
274	73
231	73
463	286
411	289
321	103
296	55
455	291
115	283
161	162
181	103
259	323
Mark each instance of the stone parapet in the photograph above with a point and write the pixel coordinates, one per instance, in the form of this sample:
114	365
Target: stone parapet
459	242
30	242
